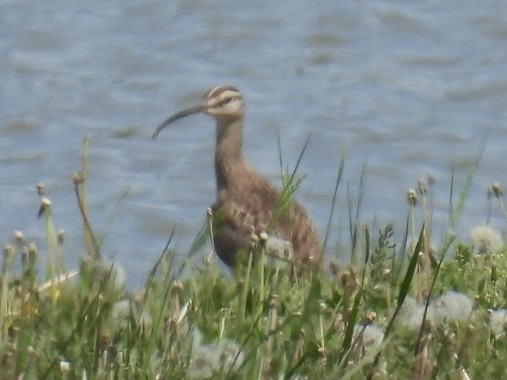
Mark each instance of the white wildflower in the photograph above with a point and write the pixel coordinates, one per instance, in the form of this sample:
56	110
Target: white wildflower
498	322
209	359
452	306
279	250
64	366
371	338
486	239
411	314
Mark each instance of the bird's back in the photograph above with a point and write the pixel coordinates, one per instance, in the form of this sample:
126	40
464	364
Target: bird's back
251	205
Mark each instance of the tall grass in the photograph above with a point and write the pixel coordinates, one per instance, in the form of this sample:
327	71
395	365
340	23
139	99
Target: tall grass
399	311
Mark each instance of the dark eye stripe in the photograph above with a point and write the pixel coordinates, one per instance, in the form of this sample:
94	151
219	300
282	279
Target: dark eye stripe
226	101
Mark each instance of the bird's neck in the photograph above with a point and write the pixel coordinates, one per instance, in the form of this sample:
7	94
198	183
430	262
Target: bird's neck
229	161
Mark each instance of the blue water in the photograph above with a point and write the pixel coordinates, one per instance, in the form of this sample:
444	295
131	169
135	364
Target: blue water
406	88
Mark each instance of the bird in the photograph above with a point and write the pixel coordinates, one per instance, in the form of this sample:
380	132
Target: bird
247	205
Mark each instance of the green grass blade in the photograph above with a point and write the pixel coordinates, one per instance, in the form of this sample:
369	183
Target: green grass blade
333	200
409	275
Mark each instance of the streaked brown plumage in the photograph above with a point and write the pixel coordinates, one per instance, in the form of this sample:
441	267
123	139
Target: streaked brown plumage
245	200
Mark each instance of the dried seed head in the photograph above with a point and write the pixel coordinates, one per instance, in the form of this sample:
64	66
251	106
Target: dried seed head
177	285
371	317
8	252
495	189
422	186
348	281
41	188
334	267
254	238
345	277
33	251
61	236
273	301
18	236
77	178
45	202
431	180
412	197
209	212
263	236
24	255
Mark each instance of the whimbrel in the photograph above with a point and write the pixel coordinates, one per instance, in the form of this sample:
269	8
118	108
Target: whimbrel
246	201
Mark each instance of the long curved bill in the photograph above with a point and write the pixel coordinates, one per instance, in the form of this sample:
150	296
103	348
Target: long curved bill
177	116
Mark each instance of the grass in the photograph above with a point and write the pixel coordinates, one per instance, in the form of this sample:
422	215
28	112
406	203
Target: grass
399	311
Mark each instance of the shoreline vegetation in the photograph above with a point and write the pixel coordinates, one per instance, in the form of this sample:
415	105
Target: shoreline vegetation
398	310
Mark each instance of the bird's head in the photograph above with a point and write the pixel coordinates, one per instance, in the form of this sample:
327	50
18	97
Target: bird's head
221	102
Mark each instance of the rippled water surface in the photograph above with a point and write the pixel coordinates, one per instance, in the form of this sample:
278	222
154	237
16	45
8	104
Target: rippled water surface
407	88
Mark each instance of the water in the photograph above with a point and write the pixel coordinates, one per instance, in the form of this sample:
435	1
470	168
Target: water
408	89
